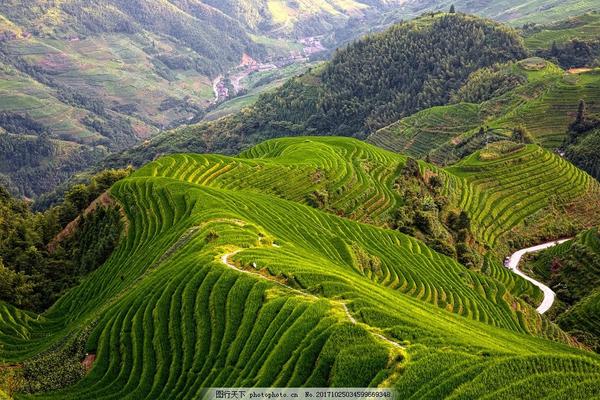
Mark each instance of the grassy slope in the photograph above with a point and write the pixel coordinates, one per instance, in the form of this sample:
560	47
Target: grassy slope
150	300
518	13
114	68
545	105
186	211
582	27
358	180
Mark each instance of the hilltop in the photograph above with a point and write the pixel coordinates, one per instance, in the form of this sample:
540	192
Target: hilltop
297	296
516	13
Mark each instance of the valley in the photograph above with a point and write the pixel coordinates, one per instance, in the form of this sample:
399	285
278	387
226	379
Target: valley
236	80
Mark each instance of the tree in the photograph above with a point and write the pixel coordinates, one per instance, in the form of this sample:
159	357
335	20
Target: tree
581	113
520	134
554	49
464	222
15	287
452	9
412	168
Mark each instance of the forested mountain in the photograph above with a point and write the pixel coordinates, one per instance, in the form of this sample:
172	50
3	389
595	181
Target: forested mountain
370	83
101	76
381	78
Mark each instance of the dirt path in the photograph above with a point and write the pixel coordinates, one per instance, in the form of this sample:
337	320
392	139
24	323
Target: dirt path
513	264
225	259
215	85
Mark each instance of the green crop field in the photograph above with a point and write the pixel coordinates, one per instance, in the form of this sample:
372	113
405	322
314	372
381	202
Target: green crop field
224	278
418	134
546	104
582	27
508	184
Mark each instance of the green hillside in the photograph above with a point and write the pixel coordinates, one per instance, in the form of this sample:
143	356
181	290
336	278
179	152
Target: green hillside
221	281
581	27
545	104
526	191
515	13
360	181
382	77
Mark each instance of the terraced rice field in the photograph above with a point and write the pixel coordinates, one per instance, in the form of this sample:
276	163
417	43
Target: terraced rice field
582	27
546	105
418	134
358	179
113	68
549	116
312	299
502	192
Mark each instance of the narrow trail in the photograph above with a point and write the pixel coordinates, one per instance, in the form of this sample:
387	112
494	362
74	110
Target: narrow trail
380	336
225	259
513	265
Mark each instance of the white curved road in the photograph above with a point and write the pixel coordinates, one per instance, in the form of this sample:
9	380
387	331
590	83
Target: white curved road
513	264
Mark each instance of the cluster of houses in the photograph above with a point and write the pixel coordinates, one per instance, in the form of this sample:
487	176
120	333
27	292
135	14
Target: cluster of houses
8	35
249	65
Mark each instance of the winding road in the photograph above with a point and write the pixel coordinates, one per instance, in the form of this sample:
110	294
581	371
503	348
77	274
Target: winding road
513	265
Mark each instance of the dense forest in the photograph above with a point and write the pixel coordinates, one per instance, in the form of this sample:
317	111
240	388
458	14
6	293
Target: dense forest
383	77
31	165
42	254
